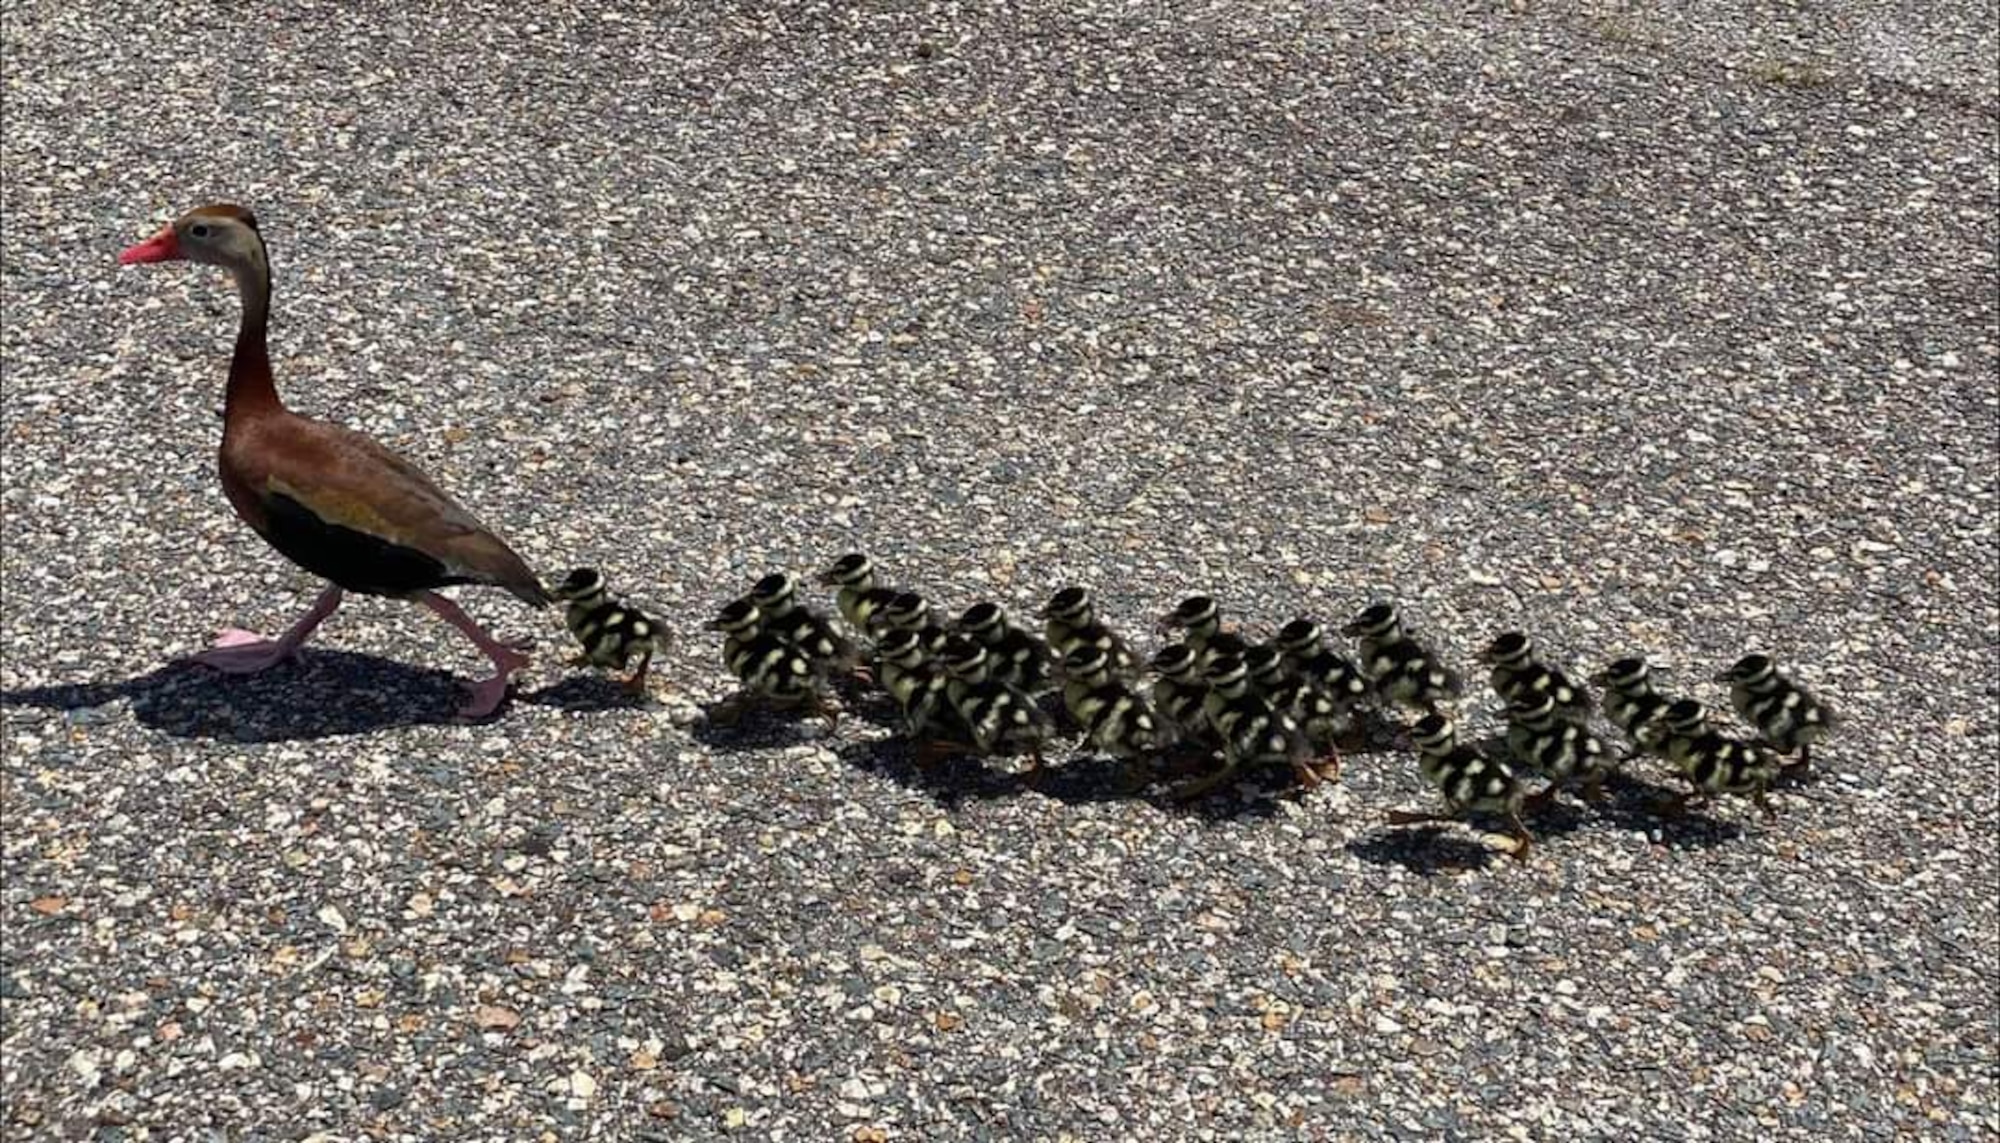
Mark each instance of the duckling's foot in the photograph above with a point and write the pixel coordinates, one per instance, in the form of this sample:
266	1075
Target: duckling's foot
1195	789
1328	764
1539	800
1764	803
1414	817
1308	776
728	712
1523	842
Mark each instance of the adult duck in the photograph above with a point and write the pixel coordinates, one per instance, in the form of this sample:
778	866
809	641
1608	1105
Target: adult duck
327	498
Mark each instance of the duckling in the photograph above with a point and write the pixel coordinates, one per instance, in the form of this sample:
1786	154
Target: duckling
1018	657
859	595
1784	714
1201	618
776	597
1542	739
1325	669
1070	621
1116	720
1002	718
1630	703
918	685
1180	692
611	631
1469	781
904	611
1518	676
1322	716
1402	671
771	669
1712	762
1253	732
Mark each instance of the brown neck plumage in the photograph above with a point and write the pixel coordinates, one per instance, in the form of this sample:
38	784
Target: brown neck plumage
251	390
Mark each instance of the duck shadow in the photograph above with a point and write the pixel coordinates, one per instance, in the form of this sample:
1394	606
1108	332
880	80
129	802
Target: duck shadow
326	694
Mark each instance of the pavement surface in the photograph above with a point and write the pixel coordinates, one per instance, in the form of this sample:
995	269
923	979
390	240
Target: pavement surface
1659	328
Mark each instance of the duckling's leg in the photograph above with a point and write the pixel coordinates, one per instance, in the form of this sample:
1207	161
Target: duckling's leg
1523	840
240	652
1034	776
1763	801
637	683
1593	789
490	692
1303	770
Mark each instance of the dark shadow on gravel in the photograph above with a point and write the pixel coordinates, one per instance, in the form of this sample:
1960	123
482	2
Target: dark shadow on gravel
326	694
584	694
1427	850
1634	804
950	781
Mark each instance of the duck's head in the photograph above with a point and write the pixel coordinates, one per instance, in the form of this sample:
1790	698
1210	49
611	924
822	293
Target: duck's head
222	234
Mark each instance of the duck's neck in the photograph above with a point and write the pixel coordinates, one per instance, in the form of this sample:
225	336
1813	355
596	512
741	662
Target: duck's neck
251	391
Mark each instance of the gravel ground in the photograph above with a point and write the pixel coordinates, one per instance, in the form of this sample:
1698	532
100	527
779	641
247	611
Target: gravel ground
1669	329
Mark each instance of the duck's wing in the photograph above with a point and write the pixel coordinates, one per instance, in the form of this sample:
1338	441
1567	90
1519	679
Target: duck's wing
343	506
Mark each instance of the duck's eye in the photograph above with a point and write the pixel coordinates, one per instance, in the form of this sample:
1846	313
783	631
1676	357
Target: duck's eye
199	230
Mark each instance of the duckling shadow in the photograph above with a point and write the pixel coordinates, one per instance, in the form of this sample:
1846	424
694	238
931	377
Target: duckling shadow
1426	851
327	694
760	728
585	694
1635	804
950	781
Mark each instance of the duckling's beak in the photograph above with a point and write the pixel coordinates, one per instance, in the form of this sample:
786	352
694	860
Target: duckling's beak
1351	628
1168	623
1600	679
1725	677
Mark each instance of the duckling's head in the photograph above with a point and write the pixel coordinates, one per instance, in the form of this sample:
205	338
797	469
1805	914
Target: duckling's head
850	570
1379	619
1228	674
1434	734
1621	674
1264	663
738	618
775	594
1300	636
982	620
580	585
1176	661
903	648
1750	669
1070	605
1195	613
963	658
907	609
1087	665
1685	716
222	234
1532	710
1510	649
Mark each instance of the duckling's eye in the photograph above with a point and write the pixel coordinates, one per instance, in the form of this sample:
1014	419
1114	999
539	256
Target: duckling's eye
199	230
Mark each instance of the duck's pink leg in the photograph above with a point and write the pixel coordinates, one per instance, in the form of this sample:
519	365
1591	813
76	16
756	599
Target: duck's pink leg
240	652
489	693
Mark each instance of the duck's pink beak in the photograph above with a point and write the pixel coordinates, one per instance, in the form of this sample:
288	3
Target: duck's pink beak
161	247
